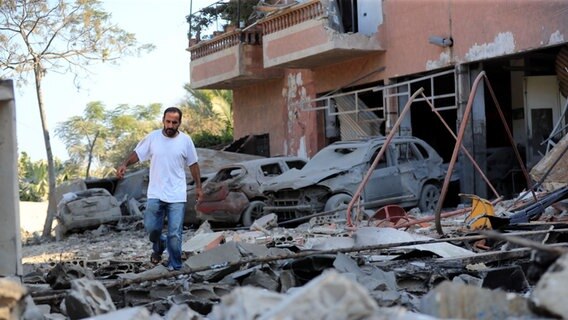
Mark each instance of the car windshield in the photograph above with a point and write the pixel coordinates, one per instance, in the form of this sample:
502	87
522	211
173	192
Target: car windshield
338	156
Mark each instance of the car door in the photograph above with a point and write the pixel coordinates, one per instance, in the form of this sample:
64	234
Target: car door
411	167
384	182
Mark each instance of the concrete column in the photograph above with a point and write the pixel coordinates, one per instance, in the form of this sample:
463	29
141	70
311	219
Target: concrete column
10	242
475	138
463	89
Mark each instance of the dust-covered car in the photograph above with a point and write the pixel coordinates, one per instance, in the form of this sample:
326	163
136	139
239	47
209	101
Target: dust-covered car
190	216
232	195
409	174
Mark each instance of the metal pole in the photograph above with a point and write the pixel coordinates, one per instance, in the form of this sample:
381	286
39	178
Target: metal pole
380	155
453	160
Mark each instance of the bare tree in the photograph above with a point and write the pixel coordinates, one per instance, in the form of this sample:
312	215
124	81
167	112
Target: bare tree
64	36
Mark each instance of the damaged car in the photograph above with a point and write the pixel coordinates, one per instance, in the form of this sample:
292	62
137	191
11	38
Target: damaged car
233	195
409	174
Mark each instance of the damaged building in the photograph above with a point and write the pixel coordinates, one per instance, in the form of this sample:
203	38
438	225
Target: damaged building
307	73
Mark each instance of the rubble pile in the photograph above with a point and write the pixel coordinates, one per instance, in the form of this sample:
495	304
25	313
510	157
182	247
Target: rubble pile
495	260
321	269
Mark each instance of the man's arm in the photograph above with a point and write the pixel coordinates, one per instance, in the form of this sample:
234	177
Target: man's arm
196	175
121	170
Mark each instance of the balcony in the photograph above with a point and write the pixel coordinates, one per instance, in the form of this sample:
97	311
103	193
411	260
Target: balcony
229	60
313	33
305	35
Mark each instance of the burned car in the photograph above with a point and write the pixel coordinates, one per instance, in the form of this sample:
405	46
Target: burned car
233	195
409	174
190	216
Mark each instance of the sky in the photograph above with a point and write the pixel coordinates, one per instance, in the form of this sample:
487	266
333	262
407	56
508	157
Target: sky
156	77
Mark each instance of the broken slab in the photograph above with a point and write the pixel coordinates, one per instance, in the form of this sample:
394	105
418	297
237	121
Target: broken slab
460	301
136	313
368	236
245	303
182	312
225	253
558	175
12	302
203	242
88	298
552	289
328	296
265	223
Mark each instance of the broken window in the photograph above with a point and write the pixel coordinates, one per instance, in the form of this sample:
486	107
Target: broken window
295	164
406	153
383	162
271	170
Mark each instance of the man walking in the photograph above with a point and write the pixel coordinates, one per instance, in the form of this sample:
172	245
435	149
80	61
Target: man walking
169	151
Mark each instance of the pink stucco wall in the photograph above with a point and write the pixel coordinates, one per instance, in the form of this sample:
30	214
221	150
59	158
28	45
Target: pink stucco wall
480	30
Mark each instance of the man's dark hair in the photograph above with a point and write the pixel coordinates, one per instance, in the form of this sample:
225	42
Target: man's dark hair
173	109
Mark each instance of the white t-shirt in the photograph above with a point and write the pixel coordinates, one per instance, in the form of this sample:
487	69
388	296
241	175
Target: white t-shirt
168	159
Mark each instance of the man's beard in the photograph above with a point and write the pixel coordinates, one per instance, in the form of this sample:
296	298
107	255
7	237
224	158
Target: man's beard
170	132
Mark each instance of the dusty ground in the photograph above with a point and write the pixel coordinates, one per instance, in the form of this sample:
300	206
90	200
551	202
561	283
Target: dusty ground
124	242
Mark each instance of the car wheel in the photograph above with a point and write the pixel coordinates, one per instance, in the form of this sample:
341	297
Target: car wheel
254	211
429	197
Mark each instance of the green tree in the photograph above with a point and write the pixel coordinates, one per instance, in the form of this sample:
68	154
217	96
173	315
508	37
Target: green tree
127	126
62	36
210	116
84	136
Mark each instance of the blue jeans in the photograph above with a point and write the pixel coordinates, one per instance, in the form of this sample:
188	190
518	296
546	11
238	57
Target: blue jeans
154	215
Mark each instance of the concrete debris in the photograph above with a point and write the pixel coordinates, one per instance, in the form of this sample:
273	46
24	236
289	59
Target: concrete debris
473	302
182	312
87	298
137	313
12	302
329	296
246	303
203	242
319	269
264	223
369	236
551	290
61	275
552	167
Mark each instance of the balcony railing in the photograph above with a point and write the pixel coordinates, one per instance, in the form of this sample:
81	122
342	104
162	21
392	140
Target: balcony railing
288	18
224	41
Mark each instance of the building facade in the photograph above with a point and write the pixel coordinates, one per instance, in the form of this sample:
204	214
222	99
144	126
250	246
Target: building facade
307	73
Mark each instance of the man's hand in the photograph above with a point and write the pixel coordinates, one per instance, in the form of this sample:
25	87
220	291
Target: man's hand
198	193
120	171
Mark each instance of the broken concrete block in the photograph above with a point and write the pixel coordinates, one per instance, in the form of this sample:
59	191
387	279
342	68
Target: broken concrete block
203	242
372	278
202	297
87	298
265	223
227	252
32	311
60	276
473	302
245	303
263	279
12	302
328	296
369	236
137	313
328	243
182	312
205	227
552	288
